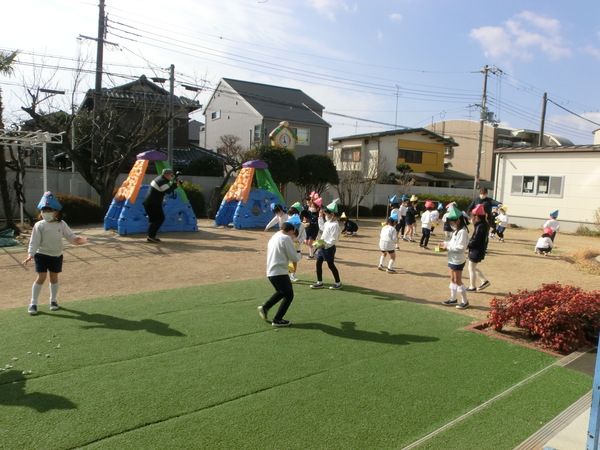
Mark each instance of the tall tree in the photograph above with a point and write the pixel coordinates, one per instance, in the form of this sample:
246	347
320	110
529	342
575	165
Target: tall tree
6	68
283	165
315	172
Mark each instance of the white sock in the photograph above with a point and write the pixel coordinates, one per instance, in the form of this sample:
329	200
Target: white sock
381	260
53	291
462	290
35	293
391	264
453	288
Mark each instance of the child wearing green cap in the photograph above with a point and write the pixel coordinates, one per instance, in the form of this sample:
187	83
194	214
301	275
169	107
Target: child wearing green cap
326	251
457	259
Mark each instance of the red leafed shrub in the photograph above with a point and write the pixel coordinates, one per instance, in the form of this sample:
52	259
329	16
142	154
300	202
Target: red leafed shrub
560	317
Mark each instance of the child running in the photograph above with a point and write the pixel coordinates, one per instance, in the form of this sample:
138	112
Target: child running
388	239
502	221
280	251
456	257
426	221
45	248
326	247
477	248
310	217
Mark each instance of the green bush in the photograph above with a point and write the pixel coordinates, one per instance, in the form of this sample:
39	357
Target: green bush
196	197
80	211
363	211
205	166
380	210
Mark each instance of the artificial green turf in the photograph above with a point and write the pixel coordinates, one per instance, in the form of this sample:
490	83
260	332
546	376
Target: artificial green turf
196	367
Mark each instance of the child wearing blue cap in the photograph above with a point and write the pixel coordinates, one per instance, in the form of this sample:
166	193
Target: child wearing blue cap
553	223
45	248
279	218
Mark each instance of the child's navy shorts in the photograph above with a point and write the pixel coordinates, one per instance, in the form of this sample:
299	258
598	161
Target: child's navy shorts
457	267
327	254
44	263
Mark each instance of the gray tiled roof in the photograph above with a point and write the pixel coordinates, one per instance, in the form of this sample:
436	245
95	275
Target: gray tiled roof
423	131
279	103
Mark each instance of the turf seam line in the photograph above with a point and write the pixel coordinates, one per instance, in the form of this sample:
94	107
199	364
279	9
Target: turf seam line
205	408
477	408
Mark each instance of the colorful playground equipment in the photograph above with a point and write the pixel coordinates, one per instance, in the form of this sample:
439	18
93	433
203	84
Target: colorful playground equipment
246	206
127	213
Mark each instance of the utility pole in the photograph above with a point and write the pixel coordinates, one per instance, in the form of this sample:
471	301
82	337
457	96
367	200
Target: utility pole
396	117
170	124
98	87
483	117
544	101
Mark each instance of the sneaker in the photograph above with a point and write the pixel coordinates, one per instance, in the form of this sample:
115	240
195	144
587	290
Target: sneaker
463	305
293	277
411	240
380	267
281	323
425	247
470	289
262	313
317	285
152	239
336	286
310	257
53	306
501	240
450	302
32	310
390	270
483	286
404	238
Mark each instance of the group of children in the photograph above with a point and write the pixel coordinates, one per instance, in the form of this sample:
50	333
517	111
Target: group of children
319	229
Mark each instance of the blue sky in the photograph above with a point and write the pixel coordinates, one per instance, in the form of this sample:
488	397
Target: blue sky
371	64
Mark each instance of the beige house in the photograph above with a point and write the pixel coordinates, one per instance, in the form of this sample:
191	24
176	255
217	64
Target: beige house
535	181
376	154
466	134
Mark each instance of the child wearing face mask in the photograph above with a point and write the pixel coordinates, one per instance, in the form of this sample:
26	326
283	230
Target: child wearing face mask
326	247
45	248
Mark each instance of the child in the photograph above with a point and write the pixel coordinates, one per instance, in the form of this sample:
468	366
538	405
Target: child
426	224
280	216
402	217
553	223
544	244
46	246
411	214
326	247
280	251
502	220
350	228
447	227
477	247
310	217
388	238
456	257
299	236
435	218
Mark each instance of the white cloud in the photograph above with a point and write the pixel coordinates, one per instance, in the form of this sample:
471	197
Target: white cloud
395	16
521	37
594	51
329	8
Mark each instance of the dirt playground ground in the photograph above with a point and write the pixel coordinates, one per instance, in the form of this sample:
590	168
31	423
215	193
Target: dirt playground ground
119	265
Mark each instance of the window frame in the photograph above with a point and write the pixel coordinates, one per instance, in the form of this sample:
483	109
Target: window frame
529	185
352	151
404	153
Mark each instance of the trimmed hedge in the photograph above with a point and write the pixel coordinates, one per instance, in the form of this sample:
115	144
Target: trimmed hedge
80	211
196	198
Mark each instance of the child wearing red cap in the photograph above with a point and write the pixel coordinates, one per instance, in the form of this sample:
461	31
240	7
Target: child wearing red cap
544	244
477	248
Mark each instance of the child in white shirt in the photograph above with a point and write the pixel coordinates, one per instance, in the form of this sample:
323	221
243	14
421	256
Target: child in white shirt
502	221
280	216
553	223
327	248
544	244
388	238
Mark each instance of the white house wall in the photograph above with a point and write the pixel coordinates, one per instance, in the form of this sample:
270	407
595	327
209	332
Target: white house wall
581	184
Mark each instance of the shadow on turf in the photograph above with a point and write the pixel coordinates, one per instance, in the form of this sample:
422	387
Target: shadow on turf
348	331
12	393
118	323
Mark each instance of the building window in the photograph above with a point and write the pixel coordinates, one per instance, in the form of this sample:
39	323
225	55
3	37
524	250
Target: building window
539	185
350	154
302	136
215	115
410	156
256	133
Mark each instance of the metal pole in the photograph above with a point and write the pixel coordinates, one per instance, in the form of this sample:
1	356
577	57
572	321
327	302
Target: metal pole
44	166
593	438
98	87
541	139
170	125
481	123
